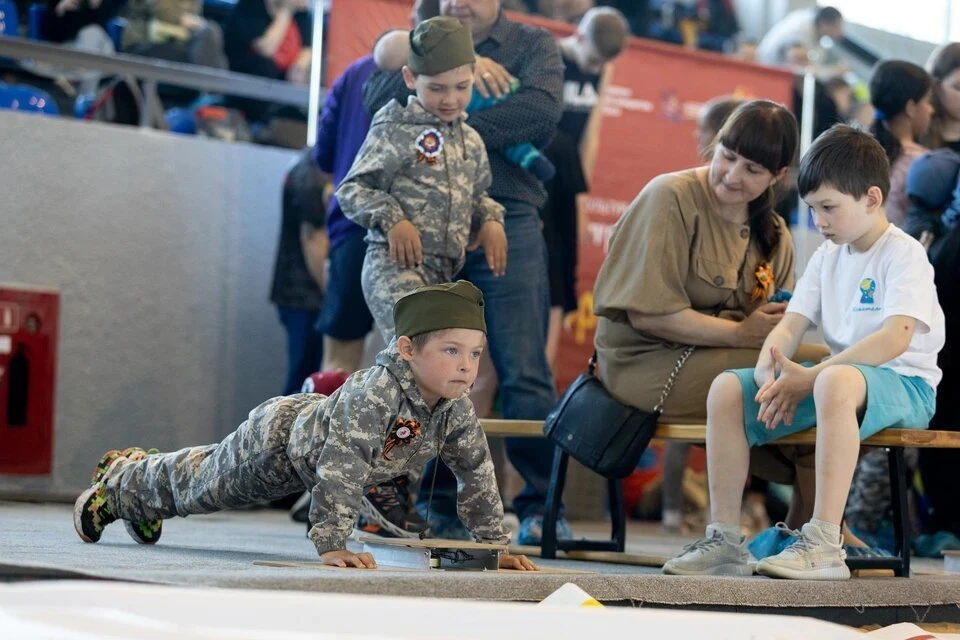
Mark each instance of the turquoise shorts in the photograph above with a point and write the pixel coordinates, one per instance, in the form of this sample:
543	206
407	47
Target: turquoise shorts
892	401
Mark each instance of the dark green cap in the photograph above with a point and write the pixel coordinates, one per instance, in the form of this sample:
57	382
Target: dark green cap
451	305
440	44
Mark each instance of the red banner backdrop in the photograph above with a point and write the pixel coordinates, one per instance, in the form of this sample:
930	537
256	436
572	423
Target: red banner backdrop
649	107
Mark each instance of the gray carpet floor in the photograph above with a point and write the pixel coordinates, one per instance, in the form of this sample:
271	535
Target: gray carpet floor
38	540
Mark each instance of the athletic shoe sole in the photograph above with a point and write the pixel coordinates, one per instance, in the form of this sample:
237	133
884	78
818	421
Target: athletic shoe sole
731	569
834	572
370	512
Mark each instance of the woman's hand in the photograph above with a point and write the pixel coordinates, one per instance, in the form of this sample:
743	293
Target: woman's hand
344	558
751	333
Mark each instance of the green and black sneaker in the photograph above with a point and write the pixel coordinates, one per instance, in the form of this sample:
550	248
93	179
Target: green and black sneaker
142	531
91	514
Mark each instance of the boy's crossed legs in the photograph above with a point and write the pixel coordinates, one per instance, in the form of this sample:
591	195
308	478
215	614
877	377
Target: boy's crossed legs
839	401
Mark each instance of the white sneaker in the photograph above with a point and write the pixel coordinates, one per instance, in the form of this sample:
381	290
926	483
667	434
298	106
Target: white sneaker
809	557
714	555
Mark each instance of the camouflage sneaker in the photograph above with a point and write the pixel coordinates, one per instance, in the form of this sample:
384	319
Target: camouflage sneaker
142	531
385	511
91	513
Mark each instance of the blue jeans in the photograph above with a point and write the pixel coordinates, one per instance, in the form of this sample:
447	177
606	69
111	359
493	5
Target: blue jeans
517	312
304	346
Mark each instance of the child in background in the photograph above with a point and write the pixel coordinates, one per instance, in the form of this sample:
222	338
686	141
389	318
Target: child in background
418	184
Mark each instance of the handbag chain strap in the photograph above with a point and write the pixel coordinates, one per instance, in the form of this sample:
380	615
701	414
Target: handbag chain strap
667	388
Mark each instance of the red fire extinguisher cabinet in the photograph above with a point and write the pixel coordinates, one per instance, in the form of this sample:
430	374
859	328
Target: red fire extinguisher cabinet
29	323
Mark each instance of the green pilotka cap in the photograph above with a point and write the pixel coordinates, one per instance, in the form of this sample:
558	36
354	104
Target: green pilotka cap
439	44
451	305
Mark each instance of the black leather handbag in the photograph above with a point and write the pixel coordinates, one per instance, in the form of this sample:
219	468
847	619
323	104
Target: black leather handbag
598	430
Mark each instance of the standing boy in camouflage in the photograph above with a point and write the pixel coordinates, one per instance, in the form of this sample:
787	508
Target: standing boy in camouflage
383	422
419	182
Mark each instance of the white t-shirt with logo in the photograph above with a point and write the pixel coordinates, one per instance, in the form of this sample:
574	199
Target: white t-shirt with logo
850	294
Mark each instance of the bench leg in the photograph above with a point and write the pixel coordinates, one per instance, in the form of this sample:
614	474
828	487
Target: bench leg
618	514
901	510
558	478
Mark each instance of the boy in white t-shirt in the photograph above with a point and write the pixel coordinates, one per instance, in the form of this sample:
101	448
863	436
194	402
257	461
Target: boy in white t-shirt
870	289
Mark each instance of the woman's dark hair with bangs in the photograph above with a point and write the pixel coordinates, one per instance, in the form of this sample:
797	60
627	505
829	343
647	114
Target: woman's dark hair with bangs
766	133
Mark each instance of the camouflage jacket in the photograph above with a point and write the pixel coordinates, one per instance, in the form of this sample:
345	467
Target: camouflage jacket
376	427
414	166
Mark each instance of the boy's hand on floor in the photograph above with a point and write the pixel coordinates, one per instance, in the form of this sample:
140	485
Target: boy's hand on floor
521	563
493	239
344	558
779	399
405	246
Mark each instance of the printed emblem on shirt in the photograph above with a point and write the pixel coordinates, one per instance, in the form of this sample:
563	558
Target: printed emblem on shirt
429	146
867	288
401	434
868	296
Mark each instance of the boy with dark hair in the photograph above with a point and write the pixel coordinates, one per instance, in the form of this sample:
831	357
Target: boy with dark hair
383	422
871	290
418	184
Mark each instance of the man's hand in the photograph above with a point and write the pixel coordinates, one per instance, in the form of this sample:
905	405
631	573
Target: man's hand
754	330
405	246
778	399
344	558
491	78
521	563
493	239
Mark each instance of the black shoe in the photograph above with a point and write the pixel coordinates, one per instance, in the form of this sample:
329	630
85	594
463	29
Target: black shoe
385	511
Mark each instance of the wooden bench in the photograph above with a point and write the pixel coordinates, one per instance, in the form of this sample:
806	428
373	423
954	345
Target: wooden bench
894	440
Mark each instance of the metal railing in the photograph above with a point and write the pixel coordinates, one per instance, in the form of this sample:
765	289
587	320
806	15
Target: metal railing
153	71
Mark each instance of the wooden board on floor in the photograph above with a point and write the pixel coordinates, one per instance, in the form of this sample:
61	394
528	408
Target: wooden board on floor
431	543
325	567
608	557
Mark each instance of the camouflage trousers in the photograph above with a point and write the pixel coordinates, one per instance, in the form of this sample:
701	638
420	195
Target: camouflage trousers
384	282
249	466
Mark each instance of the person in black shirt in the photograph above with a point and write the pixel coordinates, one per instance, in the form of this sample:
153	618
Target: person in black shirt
298	271
600	37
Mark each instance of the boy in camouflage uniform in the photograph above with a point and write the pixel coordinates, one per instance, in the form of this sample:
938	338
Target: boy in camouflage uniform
383	422
419	181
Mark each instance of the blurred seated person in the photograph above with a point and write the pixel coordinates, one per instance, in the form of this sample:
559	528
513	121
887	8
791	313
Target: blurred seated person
173	30
269	38
80	24
718	25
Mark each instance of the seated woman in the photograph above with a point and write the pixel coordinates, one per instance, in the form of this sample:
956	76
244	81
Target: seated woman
695	260
269	38
173	30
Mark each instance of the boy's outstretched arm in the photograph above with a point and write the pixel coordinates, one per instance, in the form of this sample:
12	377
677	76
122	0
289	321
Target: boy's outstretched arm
466	452
342	468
